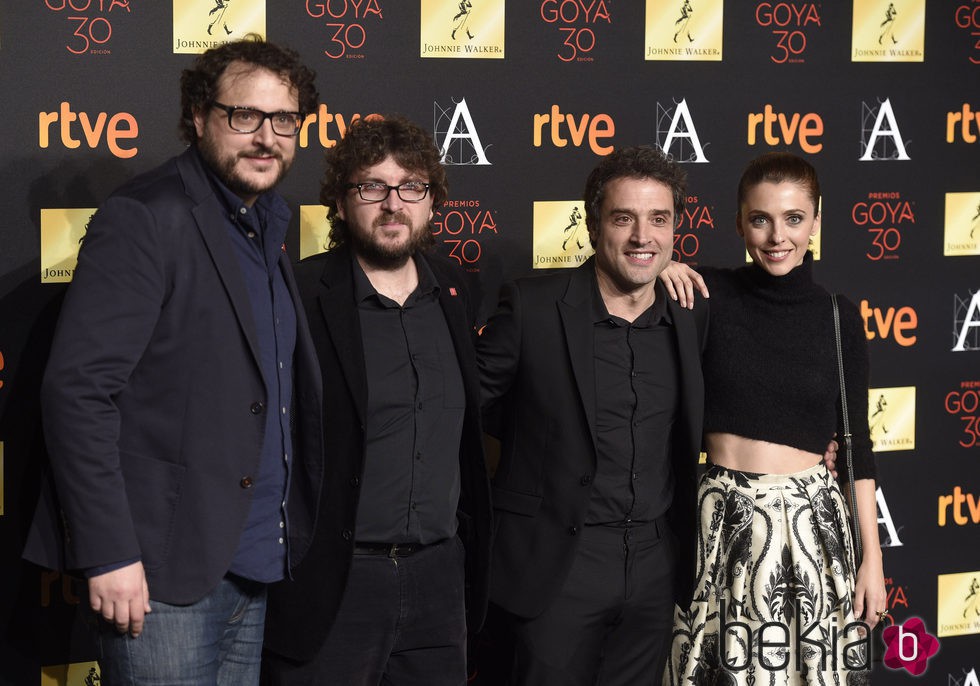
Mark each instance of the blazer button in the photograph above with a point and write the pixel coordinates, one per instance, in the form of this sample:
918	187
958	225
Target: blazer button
347	535
355	482
257	408
573	530
586	480
246	482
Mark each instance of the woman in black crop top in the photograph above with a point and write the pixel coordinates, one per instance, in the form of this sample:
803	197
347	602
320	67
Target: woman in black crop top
777	597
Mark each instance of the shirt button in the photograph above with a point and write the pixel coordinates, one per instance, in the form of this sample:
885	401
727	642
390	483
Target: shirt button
347	535
586	480
246	482
251	234
573	530
284	410
414	507
282	525
256	408
243	210
418	455
285	457
280	541
355	482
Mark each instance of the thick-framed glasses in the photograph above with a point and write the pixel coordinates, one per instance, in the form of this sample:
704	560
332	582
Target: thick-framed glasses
250	120
374	191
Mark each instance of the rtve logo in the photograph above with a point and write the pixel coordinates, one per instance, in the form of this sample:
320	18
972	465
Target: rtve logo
593	127
119	127
782	129
899	324
955	502
968	120
321	121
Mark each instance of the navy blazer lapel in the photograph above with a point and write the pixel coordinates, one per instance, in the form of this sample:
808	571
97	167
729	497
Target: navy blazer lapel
207	212
575	309
335	296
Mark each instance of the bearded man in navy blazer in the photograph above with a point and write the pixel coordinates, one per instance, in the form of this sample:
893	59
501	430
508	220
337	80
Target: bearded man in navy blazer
181	402
596	374
398	568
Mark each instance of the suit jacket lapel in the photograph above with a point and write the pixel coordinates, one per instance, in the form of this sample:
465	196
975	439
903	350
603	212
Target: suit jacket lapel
689	356
207	213
460	327
575	309
335	296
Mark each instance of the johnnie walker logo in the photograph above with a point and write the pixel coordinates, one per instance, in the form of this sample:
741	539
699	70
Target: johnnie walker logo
203	24
961	229
62	233
891	417
888	31
561	238
684	30
463	29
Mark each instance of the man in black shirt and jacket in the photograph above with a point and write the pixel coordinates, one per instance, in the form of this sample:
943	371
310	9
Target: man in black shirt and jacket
404	519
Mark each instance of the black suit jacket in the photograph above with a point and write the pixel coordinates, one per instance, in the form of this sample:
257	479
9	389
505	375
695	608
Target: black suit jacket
153	401
301	611
537	370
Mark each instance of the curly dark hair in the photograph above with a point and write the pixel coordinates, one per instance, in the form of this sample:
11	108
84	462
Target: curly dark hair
369	141
777	167
199	83
637	162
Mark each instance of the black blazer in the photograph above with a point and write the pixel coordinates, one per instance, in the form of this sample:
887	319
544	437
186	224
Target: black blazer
301	611
537	370
153	401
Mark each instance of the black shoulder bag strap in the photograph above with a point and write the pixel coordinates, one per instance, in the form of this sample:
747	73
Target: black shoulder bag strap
858	549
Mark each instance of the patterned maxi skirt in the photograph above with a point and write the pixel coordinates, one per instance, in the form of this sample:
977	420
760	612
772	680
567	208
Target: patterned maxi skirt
775	585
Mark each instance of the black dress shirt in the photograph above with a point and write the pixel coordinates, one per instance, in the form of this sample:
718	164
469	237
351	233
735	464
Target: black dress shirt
637	387
411	483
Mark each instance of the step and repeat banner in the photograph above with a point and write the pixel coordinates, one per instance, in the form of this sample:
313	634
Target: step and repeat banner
523	97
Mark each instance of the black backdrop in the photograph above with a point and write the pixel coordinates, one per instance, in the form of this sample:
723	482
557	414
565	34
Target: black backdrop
528	94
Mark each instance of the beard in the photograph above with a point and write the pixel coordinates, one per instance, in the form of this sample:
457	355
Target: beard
386	255
225	168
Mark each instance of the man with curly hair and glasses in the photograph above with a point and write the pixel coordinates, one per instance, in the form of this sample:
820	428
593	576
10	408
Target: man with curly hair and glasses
181	400
398	568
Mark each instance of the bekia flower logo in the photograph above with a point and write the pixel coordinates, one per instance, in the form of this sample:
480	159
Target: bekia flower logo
909	646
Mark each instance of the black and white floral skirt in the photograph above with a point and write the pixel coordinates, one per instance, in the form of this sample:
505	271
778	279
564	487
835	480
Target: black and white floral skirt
775	585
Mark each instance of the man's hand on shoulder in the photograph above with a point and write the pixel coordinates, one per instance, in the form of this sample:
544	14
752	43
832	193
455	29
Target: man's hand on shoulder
122	597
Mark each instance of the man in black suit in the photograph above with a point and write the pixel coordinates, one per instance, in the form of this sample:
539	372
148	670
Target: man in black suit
596	376
406	502
181	401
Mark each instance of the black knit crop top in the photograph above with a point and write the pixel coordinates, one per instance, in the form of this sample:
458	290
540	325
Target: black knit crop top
770	365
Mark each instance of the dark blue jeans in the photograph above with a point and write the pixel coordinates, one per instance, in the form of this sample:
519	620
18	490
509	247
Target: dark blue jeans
401	621
215	641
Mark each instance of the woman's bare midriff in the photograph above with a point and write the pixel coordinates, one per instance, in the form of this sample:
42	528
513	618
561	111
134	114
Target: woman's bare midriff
761	457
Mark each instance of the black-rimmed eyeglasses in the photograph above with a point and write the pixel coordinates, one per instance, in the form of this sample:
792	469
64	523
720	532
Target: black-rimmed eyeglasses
374	191
250	120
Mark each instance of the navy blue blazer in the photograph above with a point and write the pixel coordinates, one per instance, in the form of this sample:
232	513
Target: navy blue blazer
301	611
153	402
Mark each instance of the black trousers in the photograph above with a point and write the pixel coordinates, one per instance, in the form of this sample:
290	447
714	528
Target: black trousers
401	621
610	624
